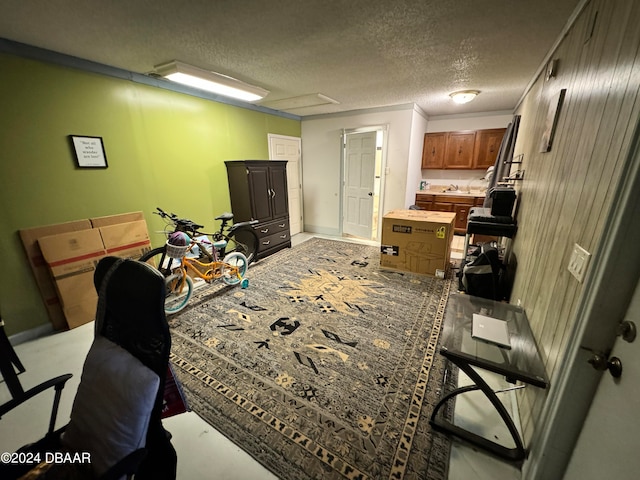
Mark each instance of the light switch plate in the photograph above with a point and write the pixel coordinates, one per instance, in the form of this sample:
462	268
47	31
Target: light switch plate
579	262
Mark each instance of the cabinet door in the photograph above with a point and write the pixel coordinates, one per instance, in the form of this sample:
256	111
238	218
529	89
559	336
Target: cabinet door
423	201
433	150
487	147
259	185
462	214
459	150
278	183
437	206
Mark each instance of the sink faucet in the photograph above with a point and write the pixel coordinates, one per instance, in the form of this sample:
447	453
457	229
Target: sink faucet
450	188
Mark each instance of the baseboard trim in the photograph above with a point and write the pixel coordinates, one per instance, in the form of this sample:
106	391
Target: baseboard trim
31	334
322	230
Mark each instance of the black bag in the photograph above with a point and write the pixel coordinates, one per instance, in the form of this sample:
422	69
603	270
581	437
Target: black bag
482	277
160	462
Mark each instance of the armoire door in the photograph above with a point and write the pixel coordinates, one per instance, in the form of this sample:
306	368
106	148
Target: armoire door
279	202
259	185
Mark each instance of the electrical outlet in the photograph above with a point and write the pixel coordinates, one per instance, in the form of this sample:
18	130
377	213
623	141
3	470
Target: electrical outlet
578	262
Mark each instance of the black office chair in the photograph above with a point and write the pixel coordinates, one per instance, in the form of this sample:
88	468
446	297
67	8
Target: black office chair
10	367
133	317
116	415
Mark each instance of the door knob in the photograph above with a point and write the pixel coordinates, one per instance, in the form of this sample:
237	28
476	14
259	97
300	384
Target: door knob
627	330
601	362
615	367
370	194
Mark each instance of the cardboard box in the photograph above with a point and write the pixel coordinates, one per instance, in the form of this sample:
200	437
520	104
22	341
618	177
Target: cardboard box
40	268
81	313
417	241
99	222
127	240
65	275
72	258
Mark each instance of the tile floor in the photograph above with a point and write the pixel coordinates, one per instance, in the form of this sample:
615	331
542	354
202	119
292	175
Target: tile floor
202	451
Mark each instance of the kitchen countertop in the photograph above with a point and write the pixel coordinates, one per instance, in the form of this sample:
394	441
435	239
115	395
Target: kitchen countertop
457	193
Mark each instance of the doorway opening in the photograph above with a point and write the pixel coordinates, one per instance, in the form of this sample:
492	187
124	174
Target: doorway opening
283	147
362	181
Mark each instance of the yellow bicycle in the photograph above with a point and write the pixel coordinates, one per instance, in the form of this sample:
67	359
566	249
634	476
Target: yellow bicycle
199	258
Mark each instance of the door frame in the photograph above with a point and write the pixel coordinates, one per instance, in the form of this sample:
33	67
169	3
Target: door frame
616	262
299	140
383	166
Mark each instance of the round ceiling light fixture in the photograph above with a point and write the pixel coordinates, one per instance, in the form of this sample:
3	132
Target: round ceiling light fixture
464	96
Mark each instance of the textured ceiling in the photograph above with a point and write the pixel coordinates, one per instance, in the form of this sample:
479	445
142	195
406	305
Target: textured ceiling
362	53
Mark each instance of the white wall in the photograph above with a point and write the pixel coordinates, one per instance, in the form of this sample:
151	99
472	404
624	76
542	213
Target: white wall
452	123
406	126
416	144
321	162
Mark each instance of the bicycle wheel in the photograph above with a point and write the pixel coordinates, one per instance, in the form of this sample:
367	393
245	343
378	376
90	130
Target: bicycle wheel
245	241
233	261
159	260
179	288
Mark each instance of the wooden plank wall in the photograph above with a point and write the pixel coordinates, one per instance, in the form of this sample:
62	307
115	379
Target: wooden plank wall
566	194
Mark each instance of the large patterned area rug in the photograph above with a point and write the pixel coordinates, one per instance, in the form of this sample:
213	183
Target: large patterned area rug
326	367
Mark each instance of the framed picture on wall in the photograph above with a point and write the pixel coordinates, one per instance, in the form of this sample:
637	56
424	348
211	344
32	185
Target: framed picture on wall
555	104
89	151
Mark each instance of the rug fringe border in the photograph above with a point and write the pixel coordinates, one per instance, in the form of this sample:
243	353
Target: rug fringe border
399	464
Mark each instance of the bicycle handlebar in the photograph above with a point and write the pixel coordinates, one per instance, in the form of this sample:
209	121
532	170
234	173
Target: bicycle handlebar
183	223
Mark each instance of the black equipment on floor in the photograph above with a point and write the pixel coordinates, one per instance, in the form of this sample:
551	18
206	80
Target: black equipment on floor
483	276
483	270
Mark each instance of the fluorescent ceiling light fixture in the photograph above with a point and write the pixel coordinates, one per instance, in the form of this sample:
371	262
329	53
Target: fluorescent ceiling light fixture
464	96
210	81
302	101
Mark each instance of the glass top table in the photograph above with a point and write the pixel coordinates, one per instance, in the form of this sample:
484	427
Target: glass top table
522	362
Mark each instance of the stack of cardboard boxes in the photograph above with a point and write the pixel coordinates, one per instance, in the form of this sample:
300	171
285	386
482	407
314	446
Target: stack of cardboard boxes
63	258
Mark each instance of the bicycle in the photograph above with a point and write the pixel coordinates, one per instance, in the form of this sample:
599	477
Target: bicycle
176	261
240	237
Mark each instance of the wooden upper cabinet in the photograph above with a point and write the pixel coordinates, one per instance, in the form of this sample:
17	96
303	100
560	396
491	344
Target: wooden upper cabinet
459	150
487	147
469	149
433	150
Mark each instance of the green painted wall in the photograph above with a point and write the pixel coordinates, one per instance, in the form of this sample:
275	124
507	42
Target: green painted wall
164	149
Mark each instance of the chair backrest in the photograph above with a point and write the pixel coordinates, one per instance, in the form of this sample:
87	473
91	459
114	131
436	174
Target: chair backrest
131	313
118	406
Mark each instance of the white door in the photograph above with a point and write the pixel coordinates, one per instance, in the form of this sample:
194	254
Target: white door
609	443
288	148
359	178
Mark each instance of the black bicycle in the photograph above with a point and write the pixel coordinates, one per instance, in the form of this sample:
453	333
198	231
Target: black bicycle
237	237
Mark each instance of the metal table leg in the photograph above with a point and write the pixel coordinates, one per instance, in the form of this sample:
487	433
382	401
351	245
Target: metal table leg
516	454
463	262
